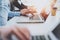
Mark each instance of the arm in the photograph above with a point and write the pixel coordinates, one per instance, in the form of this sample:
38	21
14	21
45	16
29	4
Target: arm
3	12
12	14
19	32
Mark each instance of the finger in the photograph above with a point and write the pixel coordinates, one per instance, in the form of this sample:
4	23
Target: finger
18	34
27	33
24	32
5	33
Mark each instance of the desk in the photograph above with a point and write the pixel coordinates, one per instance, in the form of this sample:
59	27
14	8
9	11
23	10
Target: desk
49	25
40	28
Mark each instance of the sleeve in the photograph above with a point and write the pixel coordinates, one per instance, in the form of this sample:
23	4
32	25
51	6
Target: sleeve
3	12
12	14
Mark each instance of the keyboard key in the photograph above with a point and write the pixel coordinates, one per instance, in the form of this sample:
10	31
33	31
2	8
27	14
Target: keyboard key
42	37
37	38
49	37
32	38
46	36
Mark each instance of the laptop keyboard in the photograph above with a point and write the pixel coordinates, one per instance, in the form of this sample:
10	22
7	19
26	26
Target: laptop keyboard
42	37
36	17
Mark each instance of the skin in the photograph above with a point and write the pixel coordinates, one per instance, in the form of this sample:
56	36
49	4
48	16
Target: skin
29	10
43	11
19	32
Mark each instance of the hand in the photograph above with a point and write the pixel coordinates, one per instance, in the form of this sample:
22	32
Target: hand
20	33
24	11
32	9
44	14
29	10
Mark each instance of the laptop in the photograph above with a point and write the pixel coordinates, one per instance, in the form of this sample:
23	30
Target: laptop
35	19
56	31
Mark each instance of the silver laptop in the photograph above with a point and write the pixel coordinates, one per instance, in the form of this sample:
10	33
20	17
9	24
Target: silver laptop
54	35
35	19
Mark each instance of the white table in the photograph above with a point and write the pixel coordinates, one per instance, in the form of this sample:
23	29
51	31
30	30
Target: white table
49	25
39	28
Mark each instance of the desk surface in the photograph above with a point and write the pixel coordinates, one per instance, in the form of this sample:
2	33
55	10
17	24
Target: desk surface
41	28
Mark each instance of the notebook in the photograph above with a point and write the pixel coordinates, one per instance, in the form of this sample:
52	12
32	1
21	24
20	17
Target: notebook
35	19
56	31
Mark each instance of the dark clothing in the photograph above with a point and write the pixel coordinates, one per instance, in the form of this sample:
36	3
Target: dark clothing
16	4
